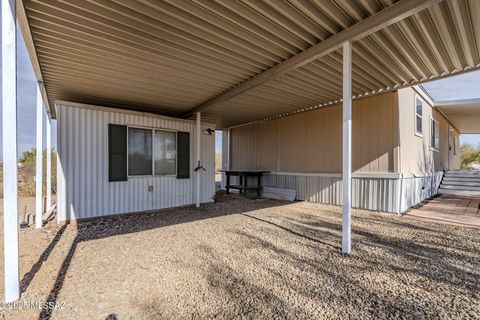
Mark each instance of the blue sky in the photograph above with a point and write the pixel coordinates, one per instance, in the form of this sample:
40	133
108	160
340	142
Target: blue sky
218	141
466	86
26	95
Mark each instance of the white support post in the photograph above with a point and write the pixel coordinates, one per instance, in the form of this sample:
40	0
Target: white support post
49	164
198	177
347	148
229	146
10	199
225	155
39	151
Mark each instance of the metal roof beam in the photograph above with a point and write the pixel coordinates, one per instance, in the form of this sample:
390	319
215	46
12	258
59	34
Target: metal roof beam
376	22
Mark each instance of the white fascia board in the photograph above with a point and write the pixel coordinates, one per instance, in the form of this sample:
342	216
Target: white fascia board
127	111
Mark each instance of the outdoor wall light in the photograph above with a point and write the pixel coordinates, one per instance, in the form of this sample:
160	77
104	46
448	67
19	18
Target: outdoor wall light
209	131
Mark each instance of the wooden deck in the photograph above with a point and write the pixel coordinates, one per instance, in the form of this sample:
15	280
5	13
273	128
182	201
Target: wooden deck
449	209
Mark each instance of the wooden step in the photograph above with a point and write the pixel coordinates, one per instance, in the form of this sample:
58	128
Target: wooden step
463	171
457	187
461	179
458	192
461	183
462	174
279	194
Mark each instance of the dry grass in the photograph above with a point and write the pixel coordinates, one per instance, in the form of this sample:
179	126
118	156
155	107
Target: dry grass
26	177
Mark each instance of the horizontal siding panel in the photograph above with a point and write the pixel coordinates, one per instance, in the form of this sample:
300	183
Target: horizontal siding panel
312	142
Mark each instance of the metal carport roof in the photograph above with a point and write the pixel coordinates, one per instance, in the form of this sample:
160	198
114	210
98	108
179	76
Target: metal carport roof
242	61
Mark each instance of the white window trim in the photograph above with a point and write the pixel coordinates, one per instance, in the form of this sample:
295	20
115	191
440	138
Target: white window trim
153	129
432	121
418	134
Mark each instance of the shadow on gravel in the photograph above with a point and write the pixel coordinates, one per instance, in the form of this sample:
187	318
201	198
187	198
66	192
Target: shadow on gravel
27	279
432	261
385	263
247	300
415	265
301	233
99	228
319	282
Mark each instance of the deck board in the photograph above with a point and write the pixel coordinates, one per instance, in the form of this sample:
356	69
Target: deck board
449	209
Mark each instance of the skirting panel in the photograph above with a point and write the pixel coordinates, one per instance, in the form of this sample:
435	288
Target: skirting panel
379	192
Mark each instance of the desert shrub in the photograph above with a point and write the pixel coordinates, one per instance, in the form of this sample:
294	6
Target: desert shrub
468	155
28	156
26	173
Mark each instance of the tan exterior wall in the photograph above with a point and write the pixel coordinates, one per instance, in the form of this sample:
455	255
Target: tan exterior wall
311	142
416	153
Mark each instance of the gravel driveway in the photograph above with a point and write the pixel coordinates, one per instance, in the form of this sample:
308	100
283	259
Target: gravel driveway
255	259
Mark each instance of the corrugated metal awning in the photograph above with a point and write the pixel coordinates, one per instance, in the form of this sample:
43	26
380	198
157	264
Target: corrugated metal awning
173	56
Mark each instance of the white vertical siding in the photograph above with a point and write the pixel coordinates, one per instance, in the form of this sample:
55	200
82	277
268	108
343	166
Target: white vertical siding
83	187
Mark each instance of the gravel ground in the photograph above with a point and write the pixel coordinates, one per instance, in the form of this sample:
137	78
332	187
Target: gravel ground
254	259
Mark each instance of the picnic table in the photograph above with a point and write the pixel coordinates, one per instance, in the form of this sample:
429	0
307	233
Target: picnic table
243	175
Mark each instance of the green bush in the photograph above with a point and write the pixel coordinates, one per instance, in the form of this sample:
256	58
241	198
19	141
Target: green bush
468	155
28	156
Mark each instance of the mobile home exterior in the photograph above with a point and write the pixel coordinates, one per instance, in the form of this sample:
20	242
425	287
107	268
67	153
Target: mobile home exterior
85	189
398	155
394	165
231	65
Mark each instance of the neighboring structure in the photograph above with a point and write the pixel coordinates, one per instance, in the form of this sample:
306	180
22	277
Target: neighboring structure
401	145
474	166
113	161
